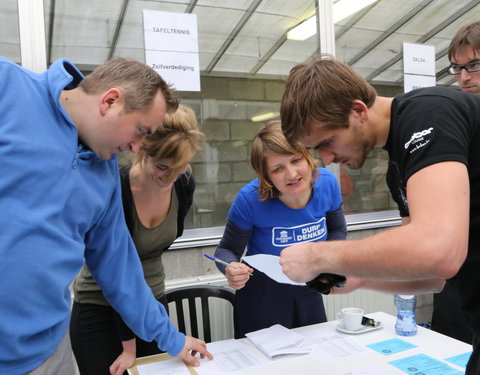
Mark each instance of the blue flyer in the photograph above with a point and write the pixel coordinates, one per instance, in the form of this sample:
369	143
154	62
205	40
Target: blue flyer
460	360
421	364
391	346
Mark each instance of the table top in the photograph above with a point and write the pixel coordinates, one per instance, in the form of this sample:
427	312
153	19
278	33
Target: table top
369	361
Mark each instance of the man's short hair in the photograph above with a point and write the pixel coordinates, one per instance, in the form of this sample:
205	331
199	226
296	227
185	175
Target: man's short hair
467	35
138	82
321	92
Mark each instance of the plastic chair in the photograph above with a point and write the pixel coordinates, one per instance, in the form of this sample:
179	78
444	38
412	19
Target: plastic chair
191	294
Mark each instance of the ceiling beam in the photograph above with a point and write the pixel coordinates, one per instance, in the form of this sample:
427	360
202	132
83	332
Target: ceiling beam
402	21
121	18
191	6
246	16
426	37
283	38
353	20
50	31
262	61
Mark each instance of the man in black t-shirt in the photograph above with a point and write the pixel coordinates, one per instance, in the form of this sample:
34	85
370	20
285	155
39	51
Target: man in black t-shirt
464	57
433	141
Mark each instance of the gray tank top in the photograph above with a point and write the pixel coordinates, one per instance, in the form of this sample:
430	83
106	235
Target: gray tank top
150	244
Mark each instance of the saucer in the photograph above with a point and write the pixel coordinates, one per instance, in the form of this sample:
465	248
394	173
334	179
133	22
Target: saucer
340	327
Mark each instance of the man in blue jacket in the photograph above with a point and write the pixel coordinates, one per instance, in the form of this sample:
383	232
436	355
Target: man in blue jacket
60	203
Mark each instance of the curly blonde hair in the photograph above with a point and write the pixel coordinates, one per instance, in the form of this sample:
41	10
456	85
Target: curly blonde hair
178	138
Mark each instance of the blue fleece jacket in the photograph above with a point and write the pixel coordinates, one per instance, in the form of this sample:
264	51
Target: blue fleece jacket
59	205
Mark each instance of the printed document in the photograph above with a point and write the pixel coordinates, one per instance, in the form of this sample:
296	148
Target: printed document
278	340
230	356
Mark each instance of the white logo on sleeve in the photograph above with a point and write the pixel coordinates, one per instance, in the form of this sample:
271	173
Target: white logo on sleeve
418	139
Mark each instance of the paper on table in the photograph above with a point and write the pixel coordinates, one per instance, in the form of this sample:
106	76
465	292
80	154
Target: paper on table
328	345
174	366
269	265
371	370
278	340
230	356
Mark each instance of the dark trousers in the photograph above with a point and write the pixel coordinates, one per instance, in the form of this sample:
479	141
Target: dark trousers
263	302
473	365
448	318
95	340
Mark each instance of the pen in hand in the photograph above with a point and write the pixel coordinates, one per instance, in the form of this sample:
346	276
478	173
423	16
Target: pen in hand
218	260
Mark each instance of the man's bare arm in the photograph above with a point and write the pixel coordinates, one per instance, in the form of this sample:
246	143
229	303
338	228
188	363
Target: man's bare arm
432	245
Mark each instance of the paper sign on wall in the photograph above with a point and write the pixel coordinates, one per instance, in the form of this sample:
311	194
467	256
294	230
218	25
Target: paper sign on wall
418	59
412	82
418	66
171	47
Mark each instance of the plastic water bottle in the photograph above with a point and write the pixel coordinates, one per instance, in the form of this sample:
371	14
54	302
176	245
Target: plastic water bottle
406	324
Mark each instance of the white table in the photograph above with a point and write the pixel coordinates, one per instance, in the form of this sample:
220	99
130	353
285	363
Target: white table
428	342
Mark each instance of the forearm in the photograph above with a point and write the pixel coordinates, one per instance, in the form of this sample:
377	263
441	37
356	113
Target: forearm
232	245
402	253
130	347
336	225
126	359
430	246
416	287
124	332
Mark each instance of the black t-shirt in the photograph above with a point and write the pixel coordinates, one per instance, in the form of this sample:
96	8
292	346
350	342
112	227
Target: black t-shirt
434	125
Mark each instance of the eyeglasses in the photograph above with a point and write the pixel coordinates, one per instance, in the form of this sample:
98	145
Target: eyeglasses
470	68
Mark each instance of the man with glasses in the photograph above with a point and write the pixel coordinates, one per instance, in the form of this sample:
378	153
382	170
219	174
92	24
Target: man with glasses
464	57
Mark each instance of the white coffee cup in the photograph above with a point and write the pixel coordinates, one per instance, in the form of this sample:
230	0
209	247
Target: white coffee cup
351	317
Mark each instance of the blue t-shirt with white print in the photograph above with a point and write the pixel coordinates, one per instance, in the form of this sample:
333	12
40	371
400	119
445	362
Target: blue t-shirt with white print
275	226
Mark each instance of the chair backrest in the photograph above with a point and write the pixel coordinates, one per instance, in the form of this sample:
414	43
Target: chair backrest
192	293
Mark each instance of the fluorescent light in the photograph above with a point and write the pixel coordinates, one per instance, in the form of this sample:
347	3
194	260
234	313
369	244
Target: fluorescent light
344	8
303	31
265	116
341	9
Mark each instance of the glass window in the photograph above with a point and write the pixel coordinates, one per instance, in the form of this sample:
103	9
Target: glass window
244	57
9	31
224	166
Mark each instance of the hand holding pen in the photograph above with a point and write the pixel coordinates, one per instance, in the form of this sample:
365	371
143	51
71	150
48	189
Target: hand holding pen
237	274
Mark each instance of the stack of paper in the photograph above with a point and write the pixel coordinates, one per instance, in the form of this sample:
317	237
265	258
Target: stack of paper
278	340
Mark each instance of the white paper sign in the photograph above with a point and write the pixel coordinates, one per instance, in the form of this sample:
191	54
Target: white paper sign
418	59
412	82
167	31
171	48
178	68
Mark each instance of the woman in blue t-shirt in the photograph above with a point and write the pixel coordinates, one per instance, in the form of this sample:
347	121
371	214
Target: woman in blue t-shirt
290	202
